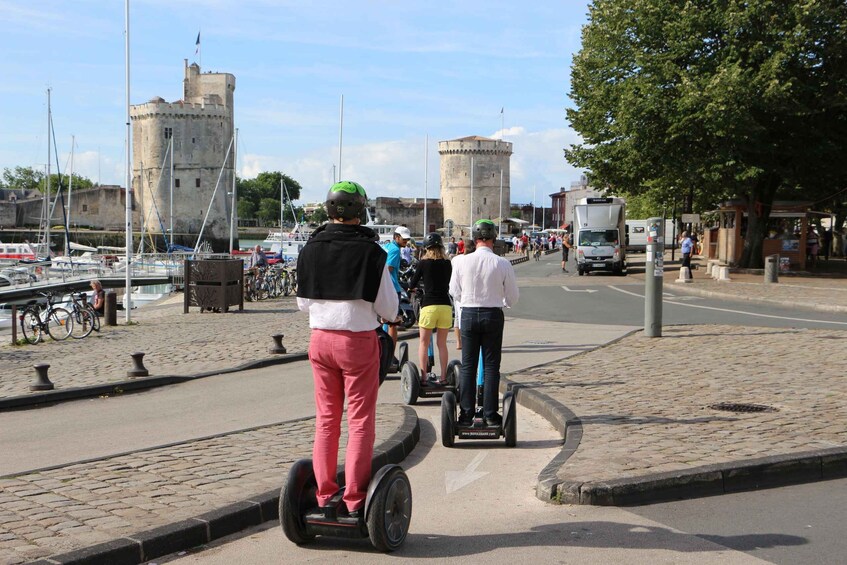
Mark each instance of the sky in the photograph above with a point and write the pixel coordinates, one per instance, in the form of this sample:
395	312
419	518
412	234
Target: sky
409	71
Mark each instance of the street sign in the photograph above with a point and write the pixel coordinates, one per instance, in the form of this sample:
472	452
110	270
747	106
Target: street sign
691	218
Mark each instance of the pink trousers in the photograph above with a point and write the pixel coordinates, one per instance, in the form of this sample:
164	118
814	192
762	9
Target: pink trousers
344	363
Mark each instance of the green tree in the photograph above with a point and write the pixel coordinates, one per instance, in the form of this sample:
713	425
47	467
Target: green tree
268	210
704	100
31	179
267	185
246	208
319	216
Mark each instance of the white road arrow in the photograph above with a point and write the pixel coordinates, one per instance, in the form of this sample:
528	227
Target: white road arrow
580	290
454	480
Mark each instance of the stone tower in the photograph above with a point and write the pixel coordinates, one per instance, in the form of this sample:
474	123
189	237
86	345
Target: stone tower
489	157
201	126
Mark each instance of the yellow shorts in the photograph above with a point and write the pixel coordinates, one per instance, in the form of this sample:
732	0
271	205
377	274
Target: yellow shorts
438	316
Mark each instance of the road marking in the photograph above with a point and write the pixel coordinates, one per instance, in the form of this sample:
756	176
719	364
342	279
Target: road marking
756	314
454	480
582	290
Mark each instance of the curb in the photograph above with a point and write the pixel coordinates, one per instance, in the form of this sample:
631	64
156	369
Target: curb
144	383
831	308
207	527
706	480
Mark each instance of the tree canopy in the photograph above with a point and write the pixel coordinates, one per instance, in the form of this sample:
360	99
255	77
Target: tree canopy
32	179
260	197
704	100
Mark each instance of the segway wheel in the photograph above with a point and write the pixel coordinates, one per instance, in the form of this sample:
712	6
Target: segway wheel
448	419
410	383
510	422
296	498
390	511
454	367
402	354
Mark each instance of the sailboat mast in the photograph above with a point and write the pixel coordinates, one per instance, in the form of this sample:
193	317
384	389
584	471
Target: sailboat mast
128	166
426	182
70	188
47	215
340	136
171	221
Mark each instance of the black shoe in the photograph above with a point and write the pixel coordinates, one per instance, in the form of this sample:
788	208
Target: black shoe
494	420
354	514
465	418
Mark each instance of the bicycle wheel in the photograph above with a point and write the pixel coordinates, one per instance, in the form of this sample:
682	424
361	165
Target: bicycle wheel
83	323
95	317
31	325
59	323
286	284
262	290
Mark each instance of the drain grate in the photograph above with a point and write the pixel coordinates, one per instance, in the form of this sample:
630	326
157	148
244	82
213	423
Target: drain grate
740	407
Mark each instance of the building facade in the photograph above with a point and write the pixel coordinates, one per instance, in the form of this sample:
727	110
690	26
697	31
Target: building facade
409	212
475	179
192	137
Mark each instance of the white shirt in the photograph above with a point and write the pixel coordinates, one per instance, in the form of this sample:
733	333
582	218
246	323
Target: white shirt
353	315
484	280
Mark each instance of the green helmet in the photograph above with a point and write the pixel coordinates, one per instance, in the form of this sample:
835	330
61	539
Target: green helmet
484	229
346	200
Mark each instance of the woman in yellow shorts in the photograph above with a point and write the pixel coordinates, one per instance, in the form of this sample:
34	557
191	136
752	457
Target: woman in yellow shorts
433	275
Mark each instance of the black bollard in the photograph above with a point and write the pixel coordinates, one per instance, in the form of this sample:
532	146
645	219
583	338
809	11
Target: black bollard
41	380
277	348
110	308
138	370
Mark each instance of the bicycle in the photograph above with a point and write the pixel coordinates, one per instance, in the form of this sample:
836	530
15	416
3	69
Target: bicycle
55	321
85	317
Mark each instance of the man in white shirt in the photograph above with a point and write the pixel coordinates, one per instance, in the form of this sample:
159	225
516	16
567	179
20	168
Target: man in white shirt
344	285
483	284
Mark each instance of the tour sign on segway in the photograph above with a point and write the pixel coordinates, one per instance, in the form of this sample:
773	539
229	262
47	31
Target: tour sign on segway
411	386
384	519
478	429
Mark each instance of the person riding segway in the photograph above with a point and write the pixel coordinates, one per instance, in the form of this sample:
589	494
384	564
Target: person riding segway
483	283
436	318
345	286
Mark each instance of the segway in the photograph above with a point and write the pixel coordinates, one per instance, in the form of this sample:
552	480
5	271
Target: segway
410	378
478	429
402	353
384	519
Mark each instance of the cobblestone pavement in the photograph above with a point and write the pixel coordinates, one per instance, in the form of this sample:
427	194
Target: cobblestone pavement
174	344
75	506
644	402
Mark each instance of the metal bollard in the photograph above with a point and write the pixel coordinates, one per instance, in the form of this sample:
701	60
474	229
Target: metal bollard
110	309
138	361
772	269
277	348
41	380
14	325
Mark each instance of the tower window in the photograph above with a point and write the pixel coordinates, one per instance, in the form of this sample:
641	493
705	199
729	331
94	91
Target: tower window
192	140
169	133
197	182
176	183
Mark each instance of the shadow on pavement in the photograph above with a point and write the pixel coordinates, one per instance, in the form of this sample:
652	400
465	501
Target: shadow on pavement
612	419
586	534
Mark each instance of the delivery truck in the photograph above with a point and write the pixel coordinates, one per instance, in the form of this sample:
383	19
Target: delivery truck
600	238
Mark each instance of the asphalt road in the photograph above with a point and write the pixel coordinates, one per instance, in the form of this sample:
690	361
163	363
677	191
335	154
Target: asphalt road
602	298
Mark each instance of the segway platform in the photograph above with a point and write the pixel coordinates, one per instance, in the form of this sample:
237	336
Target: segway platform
412	389
384	519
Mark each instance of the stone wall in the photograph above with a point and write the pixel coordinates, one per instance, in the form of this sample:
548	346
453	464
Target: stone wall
101	208
409	212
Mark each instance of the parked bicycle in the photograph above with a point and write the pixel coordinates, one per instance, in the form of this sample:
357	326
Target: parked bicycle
84	315
37	320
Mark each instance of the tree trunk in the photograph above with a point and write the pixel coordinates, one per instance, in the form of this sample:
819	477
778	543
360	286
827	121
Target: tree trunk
759	203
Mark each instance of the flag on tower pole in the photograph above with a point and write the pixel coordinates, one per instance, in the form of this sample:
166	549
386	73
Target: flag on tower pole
197	43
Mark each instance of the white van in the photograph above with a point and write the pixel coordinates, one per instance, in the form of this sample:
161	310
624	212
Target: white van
600	235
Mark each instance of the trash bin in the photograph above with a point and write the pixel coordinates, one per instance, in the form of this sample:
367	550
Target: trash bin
213	284
772	269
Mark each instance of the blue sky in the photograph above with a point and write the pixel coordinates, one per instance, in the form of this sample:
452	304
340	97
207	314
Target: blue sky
407	69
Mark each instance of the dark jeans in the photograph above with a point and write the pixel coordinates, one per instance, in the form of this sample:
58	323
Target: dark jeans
686	261
481	327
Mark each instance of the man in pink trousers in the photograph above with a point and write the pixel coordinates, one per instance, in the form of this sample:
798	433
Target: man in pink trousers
345	286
